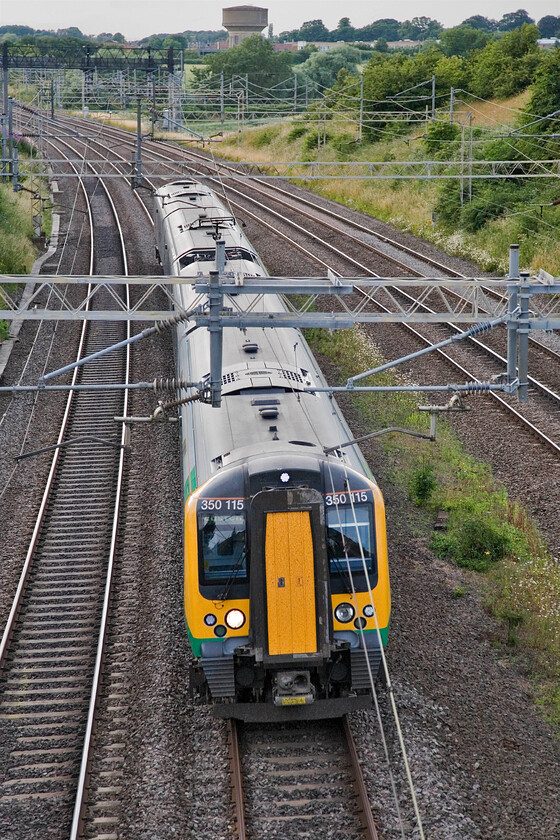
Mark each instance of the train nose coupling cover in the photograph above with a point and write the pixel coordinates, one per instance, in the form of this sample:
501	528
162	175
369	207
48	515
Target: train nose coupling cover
293	688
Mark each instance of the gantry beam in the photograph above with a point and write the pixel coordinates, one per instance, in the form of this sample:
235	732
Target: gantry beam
452	301
85	57
426	170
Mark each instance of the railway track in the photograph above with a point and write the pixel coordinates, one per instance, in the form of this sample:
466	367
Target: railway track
363	237
52	649
106	808
298	781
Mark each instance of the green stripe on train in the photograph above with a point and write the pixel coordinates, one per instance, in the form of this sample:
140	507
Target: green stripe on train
190	484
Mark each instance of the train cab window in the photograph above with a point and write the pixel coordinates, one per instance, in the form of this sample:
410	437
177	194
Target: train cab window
240	254
197	256
222	552
349	535
207	255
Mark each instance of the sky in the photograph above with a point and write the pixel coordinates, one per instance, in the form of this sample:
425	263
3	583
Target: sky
136	19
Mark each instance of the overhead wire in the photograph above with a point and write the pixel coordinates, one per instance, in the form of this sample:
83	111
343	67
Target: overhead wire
390	690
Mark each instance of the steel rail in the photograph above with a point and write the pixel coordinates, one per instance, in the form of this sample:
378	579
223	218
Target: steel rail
113	165
271	187
548	392
79	799
54	463
80	803
236	780
366	815
367	245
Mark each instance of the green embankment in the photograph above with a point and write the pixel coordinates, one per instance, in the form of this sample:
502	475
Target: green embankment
17	252
420	206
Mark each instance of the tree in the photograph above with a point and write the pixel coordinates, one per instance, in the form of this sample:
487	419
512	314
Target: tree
16	30
313	30
381	45
441	140
288	35
388	75
387	28
420	28
178	42
549	26
254	57
304	54
344	31
507	66
119	38
323	68
462	40
451	72
513	20
71	32
479	22
546	92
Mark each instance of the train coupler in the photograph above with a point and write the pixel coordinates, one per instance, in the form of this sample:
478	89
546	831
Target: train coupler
293	688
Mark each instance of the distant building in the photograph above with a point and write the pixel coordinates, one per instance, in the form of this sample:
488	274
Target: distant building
294	46
402	45
286	46
243	21
547	43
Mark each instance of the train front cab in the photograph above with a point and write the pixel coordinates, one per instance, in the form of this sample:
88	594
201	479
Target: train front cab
308	645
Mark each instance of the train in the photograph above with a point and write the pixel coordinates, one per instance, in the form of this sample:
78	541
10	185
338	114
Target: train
286	579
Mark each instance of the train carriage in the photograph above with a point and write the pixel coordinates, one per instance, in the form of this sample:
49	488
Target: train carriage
287	596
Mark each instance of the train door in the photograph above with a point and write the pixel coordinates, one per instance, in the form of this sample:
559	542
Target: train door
290	590
290	583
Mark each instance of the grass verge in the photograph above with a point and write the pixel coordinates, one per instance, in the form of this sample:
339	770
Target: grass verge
487	532
409	205
16	249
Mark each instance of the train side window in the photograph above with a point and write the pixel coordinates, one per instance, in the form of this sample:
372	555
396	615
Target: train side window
222	548
347	529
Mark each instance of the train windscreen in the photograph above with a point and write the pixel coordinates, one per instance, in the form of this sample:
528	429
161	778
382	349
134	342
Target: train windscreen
222	542
350	543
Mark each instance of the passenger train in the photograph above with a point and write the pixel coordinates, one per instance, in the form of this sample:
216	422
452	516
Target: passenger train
287	598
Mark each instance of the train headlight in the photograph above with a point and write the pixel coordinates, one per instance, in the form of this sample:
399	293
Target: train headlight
220	631
360	623
235	619
210	619
368	611
344	613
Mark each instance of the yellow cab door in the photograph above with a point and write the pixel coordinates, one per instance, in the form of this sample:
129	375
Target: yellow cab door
290	583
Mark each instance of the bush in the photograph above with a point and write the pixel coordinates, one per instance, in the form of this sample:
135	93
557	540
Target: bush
265	136
422	485
297	131
312	139
441	140
344	144
474	542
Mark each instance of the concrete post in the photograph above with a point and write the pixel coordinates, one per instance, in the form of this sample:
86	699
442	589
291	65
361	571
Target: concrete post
523	332
513	274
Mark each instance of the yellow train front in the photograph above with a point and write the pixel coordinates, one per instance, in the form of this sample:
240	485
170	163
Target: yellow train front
286	588
286	581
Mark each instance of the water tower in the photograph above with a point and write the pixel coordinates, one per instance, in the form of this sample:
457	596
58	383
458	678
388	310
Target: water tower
243	21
